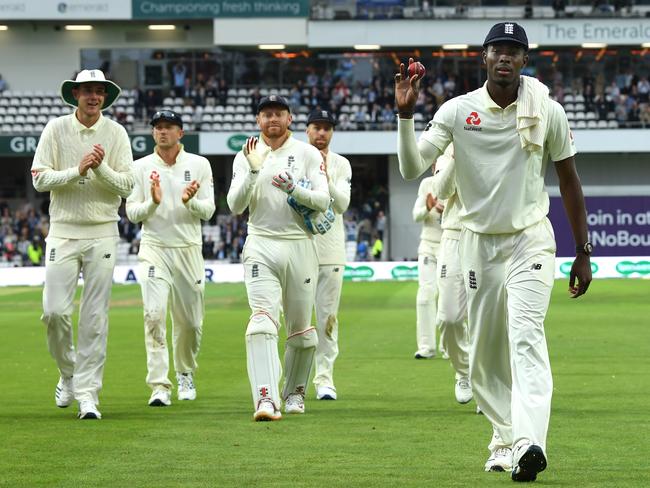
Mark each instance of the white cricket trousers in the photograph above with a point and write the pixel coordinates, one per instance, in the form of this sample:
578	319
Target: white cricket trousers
452	305
426	299
280	274
328	297
174	276
65	259
509	278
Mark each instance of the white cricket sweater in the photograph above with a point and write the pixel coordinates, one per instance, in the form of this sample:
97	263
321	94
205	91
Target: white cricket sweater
83	207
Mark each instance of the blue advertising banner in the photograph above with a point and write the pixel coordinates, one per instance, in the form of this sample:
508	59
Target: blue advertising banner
618	226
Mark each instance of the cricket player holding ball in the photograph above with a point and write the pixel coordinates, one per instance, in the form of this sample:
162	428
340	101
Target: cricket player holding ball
504	133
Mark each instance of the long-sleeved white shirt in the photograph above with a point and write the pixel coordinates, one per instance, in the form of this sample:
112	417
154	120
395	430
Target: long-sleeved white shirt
444	185
431	230
499	184
172	223
331	245
83	206
269	213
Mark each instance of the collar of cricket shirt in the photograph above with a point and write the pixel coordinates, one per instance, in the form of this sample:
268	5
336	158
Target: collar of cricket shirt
79	127
491	104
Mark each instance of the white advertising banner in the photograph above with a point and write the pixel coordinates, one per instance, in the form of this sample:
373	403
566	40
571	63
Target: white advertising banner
91	10
605	267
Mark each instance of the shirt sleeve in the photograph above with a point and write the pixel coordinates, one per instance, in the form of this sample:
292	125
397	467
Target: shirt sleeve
559	138
139	205
202	205
241	186
414	157
341	188
44	176
318	198
116	174
420	211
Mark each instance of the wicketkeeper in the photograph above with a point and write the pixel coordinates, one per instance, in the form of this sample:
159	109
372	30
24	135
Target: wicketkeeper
280	262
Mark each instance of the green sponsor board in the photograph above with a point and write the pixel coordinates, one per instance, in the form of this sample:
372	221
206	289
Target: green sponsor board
404	272
358	273
140	144
565	268
626	268
236	142
208	9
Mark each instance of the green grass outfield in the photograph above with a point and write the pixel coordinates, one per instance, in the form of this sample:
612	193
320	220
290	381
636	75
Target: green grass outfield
395	424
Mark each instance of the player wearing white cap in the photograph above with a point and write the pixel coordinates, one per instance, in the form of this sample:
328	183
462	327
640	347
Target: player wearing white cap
452	298
427	210
173	192
330	248
504	133
84	160
280	262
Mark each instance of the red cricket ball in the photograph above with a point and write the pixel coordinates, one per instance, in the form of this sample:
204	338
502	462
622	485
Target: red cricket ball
417	68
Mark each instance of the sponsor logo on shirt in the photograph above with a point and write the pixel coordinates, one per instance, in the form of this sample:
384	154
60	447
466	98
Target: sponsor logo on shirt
443	271
255	271
52	254
188	176
107	255
151	272
536	266
473	122
290	161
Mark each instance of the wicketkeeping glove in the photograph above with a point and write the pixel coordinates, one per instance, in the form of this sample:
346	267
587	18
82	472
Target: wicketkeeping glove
304	211
321	222
254	157
284	181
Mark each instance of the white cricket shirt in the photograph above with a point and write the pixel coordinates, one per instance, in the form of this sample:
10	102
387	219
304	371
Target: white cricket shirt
83	207
444	186
171	223
499	184
330	246
269	213
431	230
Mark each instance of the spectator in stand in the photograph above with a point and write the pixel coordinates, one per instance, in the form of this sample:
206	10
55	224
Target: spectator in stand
179	74
35	252
377	247
255	101
643	89
387	117
3	84
312	78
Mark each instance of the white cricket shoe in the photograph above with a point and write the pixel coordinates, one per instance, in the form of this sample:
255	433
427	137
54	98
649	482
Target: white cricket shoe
266	411
325	393
463	390
160	397
64	392
295	403
529	460
186	389
500	460
424	354
88	410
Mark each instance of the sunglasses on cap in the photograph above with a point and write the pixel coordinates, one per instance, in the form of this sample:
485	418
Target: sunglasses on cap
169	116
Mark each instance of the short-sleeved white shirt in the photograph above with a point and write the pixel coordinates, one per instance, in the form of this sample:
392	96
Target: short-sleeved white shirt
500	185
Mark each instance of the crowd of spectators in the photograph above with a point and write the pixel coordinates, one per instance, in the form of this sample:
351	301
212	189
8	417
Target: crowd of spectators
22	235
23	231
